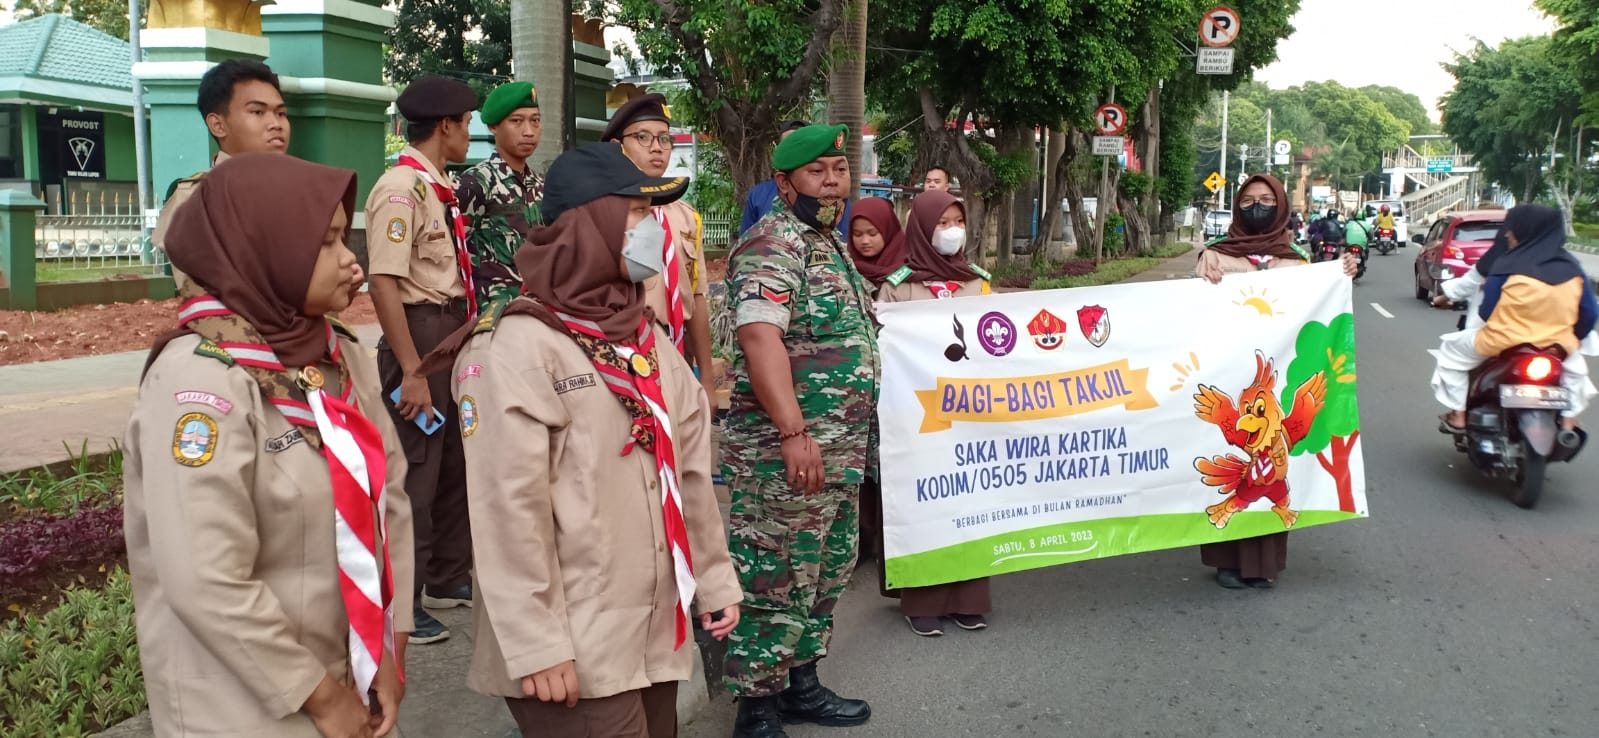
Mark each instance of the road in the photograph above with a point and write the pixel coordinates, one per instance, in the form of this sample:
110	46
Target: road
1449	613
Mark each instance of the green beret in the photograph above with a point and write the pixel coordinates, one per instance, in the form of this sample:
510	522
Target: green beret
807	145
505	99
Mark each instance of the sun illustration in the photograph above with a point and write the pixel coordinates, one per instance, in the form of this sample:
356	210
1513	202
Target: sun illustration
1262	302
1184	372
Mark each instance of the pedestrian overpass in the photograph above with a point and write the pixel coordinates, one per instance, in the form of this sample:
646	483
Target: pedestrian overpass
1431	183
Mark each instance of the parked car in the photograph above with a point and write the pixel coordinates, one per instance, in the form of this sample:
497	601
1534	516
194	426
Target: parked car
1453	245
1396	209
1217	222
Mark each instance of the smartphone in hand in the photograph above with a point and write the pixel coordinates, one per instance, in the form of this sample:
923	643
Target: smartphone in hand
430	422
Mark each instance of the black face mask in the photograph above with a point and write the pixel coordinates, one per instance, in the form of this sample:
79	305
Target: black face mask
812	212
1258	217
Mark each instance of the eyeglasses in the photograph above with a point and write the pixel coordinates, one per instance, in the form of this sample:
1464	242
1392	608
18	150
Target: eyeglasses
645	139
1268	201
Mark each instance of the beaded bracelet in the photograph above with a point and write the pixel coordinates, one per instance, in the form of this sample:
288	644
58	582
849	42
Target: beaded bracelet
796	434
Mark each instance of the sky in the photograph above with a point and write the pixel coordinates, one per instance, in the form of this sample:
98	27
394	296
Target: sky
1401	43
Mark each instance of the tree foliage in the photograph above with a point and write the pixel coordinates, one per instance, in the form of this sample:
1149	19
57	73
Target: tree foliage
107	16
1578	41
434	37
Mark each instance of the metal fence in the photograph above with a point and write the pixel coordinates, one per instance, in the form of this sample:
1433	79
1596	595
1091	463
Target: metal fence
100	237
720	230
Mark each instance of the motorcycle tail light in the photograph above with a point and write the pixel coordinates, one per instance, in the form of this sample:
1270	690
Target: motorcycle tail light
1538	368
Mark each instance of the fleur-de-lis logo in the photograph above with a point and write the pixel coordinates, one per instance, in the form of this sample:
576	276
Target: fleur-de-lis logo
996	333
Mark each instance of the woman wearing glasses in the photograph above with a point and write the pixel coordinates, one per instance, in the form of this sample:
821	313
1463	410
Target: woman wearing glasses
1258	239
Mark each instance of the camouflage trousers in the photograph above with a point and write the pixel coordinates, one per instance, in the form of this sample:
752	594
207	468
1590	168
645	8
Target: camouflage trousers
794	554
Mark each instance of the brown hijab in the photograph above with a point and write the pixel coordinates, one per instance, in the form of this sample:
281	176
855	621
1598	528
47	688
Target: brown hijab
927	265
574	265
250	236
1275	241
880	213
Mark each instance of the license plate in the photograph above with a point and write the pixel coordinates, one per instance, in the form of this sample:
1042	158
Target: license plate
1532	396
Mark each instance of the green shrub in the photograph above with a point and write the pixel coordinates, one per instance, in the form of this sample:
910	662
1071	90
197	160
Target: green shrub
87	484
73	670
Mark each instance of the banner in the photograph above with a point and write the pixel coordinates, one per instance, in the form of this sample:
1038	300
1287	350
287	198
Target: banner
1029	429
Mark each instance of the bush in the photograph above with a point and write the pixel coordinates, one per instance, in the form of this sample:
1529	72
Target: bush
88	485
73	670
42	545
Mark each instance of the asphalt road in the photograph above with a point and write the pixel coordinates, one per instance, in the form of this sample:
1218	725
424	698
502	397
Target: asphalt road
1449	612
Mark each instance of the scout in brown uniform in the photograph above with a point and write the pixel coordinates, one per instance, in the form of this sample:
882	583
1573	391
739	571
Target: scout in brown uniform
643	128
255	451
422	294
936	268
596	531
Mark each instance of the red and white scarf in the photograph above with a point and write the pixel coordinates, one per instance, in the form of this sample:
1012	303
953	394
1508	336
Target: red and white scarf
463	260
942	290
353	449
673	282
637	382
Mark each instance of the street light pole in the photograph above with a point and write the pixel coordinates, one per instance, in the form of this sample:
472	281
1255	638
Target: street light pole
1226	99
141	132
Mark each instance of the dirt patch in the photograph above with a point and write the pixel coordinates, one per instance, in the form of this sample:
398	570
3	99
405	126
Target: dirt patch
41	594
85	330
360	311
716	269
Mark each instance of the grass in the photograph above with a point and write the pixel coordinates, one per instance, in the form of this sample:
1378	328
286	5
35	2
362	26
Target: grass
85	483
1112	271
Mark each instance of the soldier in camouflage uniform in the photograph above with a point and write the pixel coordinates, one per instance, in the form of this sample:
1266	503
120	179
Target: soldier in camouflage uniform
500	195
805	390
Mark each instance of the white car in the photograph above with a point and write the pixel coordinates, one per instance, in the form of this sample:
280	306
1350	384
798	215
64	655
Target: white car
1217	222
1395	208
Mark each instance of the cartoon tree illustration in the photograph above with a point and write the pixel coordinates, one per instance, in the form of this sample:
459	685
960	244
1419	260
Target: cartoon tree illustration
1331	349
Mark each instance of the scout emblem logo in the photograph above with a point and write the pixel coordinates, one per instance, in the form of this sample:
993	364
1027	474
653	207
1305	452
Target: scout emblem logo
194	439
82	149
1095	322
641	365
468	416
996	333
1047	330
397	230
957	350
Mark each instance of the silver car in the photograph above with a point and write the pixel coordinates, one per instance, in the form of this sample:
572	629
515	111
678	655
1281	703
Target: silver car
1217	222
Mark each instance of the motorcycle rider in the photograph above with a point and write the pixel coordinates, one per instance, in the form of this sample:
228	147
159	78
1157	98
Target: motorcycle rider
1534	293
1385	219
1355	232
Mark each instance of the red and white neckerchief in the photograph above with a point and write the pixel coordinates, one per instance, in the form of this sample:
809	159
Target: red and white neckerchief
942	290
673	282
353	449
463	260
643	385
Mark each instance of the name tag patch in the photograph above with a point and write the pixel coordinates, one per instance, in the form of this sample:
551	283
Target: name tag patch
284	442
194	397
580	381
470	370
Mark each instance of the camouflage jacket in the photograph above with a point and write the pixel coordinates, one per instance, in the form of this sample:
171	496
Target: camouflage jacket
790	275
501	206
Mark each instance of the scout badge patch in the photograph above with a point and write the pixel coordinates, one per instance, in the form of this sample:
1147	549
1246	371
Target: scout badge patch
194	440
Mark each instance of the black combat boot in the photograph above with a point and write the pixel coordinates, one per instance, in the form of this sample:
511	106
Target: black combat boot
807	701
758	718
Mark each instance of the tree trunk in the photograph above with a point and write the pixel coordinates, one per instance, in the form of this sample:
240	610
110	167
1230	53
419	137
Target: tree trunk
1082	228
1338	467
541	43
847	86
1138	231
1049	212
1151	128
976	228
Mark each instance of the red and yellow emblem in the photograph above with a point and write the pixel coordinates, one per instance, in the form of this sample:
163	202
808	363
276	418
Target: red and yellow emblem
641	365
1048	330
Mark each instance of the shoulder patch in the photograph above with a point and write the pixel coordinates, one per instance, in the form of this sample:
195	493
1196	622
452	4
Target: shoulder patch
176	183
490	319
468	415
210	350
194	439
343	330
421	190
397	230
981	272
899	275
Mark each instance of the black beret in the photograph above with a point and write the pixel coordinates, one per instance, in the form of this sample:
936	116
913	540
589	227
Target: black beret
590	172
643	107
431	98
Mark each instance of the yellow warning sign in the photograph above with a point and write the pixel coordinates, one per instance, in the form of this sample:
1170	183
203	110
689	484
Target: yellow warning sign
1214	182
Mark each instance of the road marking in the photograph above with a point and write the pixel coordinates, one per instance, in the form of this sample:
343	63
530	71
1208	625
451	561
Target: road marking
1380	311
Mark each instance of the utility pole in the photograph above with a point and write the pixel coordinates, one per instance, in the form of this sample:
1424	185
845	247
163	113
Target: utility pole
1271	151
1103	204
1226	100
141	132
1243	161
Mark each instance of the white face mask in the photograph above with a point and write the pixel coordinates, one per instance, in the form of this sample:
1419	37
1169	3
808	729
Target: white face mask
950	240
644	250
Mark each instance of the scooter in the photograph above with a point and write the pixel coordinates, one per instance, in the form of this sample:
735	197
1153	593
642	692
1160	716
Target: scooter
1513	420
1384	241
1323	250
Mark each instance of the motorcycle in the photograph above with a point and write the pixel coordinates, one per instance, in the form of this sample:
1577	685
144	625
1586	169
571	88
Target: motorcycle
1324	250
1512	420
1385	241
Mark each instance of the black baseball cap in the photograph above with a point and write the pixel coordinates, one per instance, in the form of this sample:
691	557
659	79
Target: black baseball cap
593	171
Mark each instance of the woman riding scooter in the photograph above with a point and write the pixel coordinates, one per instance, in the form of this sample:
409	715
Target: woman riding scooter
1534	293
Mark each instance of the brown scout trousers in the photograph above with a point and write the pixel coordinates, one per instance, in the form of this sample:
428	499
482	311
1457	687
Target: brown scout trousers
641	713
436	479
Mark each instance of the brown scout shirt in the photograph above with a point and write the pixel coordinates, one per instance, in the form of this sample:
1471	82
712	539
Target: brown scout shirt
231	549
686	236
180	194
408	235
909	291
570	556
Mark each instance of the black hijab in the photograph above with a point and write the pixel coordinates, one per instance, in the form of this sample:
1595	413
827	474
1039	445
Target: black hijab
1540	250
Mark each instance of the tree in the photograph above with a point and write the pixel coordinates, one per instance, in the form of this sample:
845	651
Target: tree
748	64
846	86
1578	41
1329	348
1343	164
436	37
107	16
1402	105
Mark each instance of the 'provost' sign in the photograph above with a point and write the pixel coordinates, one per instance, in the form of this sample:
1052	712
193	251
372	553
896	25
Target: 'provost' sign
82	136
1028	429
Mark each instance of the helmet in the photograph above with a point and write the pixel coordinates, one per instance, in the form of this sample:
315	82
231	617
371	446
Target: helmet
1383	208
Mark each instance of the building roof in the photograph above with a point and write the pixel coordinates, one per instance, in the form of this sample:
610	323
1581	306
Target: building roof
54	59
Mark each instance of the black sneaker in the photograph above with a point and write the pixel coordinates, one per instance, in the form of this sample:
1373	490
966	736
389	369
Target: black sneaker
428	628
459	598
925	627
970	622
1229	579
